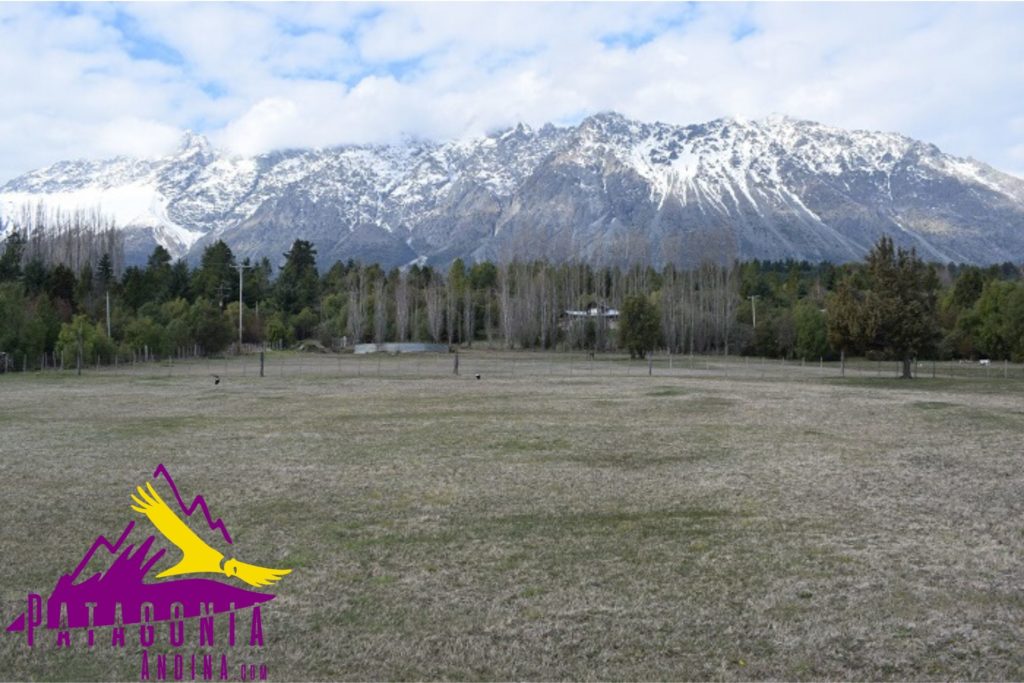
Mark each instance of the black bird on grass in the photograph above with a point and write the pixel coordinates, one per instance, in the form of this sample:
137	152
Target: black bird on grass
216	379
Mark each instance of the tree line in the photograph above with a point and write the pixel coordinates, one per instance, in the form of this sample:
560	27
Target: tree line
54	300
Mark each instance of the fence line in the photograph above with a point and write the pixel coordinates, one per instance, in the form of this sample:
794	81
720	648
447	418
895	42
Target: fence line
510	364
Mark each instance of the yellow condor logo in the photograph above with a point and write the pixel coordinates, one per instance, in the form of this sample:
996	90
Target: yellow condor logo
199	557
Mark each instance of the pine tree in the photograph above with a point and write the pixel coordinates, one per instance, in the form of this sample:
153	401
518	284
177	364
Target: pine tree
903	303
639	326
10	260
216	278
104	272
895	314
298	285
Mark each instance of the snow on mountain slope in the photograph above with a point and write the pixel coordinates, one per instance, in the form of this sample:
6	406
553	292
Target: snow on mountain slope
608	189
135	204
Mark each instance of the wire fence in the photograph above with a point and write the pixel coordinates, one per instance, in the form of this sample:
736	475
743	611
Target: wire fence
539	364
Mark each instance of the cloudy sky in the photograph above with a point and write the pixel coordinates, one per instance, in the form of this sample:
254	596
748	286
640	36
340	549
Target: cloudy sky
97	80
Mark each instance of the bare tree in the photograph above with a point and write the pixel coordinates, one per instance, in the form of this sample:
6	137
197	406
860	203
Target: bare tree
402	307
380	313
670	309
451	309
468	315
356	325
488	323
434	296
72	239
505	303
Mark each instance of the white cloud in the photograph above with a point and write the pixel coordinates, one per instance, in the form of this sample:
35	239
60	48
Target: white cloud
130	136
266	125
116	79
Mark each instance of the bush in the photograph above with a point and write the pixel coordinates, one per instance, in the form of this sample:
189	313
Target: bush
639	329
95	344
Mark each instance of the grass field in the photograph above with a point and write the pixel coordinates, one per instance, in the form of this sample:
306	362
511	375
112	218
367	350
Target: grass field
552	524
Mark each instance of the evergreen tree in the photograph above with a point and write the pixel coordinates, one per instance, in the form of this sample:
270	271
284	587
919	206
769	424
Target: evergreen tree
210	327
61	283
10	260
135	288
897	312
638	326
967	288
104	272
847	322
35	277
298	285
85	290
257	282
903	301
216	278
178	281
158	274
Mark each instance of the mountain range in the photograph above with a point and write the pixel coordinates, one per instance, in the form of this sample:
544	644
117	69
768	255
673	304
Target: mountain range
610	189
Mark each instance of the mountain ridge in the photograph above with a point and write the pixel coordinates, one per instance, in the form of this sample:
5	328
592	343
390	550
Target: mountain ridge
608	189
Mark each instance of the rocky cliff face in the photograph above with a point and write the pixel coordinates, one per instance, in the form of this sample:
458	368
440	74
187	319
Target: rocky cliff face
610	189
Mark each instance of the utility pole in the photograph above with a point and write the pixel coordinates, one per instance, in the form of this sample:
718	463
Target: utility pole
753	308
108	314
241	306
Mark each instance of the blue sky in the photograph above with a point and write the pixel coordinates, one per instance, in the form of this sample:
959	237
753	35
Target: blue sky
96	80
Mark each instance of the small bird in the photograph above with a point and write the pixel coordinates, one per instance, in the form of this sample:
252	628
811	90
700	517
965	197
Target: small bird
478	375
198	556
216	379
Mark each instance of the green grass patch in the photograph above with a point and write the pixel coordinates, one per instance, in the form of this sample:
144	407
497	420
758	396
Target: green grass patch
668	391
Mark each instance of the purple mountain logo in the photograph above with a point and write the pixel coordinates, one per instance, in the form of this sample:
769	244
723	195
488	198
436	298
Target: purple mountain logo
121	595
197	502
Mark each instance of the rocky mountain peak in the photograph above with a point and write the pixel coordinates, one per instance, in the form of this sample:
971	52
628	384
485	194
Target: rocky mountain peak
777	187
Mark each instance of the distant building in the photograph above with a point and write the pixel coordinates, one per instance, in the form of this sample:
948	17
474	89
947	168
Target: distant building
599	315
594	311
401	347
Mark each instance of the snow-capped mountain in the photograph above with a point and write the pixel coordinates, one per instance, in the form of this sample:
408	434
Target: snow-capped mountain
609	189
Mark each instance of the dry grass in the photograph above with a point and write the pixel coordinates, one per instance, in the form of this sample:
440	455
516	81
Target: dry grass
544	526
